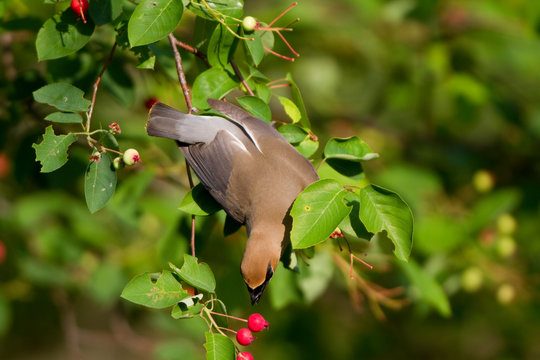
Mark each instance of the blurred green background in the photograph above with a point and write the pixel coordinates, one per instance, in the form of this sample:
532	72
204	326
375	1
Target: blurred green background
447	92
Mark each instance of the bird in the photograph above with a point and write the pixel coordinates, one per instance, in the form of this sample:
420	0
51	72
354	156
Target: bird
249	169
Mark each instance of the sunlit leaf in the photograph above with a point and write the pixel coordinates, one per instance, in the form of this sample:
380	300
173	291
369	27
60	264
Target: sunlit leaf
152	20
52	151
99	183
256	107
307	147
221	46
66	118
352	149
381	209
64	97
230	8
198	201
316	213
290	109
198	275
218	347
212	83
292	133
297	98
166	291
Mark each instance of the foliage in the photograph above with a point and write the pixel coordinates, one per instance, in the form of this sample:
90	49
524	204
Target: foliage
443	91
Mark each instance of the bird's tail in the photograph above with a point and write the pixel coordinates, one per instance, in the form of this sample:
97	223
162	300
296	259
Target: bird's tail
165	122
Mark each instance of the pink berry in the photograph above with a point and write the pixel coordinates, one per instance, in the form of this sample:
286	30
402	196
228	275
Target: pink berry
244	356
244	336
257	323
131	156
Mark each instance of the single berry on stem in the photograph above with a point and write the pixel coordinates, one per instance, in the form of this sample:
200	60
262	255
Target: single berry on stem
244	336
80	8
256	322
131	156
244	356
249	23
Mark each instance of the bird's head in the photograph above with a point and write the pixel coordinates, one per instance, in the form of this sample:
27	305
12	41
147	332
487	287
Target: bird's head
260	260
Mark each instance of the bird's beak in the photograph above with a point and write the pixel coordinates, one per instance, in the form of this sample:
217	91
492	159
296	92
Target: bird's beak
256	293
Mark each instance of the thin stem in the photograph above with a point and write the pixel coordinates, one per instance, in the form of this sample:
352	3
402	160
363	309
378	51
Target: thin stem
219	17
287	43
283	13
208	313
239	75
320	164
279	86
276	54
229	316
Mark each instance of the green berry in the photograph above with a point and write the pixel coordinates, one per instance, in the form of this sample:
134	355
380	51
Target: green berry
506	246
249	23
506	294
131	156
506	224
483	181
472	279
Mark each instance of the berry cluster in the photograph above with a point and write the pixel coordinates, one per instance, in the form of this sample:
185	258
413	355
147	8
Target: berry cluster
244	336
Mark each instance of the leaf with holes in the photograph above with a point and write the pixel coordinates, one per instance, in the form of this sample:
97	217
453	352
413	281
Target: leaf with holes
152	20
166	291
316	213
382	209
52	151
64	97
99	183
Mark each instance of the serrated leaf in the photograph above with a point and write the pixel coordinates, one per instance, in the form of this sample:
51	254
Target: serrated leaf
256	107
230	8
198	201
426	287
212	83
65	118
316	213
381	209
218	347
62	35
292	133
290	109
99	183
351	148
52	151
198	275
297	98
152	20
64	97
166	291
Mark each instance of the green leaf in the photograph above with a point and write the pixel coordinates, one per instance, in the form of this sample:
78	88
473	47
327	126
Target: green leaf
220	46
66	118
297	98
255	47
256	107
62	35
152	20
290	109
212	83
105	11
315	276
198	275
381	209
99	183
52	151
283	288
307	147
198	201
426	287
316	213
263	92
218	347
163	293
292	133
230	8
351	148
187	308
64	97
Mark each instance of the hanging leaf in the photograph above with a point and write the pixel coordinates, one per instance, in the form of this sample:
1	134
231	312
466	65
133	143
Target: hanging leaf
62	35
290	109
196	274
351	148
153	20
381	209
66	118
256	107
198	201
212	83
52	151
316	213
99	183
166	291
64	97
218	347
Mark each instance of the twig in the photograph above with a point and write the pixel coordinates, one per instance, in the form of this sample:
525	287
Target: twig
239	76
187	97
193	50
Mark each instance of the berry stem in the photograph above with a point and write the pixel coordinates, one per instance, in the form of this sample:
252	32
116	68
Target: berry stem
287	43
229	316
239	76
278	55
283	13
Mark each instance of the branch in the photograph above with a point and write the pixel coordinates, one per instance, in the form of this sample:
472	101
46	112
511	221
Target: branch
194	51
239	76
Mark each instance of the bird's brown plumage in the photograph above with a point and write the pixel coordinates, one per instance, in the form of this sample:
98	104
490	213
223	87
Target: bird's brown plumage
250	169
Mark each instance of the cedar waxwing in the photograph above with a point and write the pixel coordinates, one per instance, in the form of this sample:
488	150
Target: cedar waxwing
250	169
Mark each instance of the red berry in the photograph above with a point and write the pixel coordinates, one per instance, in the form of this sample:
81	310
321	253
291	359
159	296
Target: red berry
151	101
244	336
80	8
244	356
3	252
189	289
257	323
